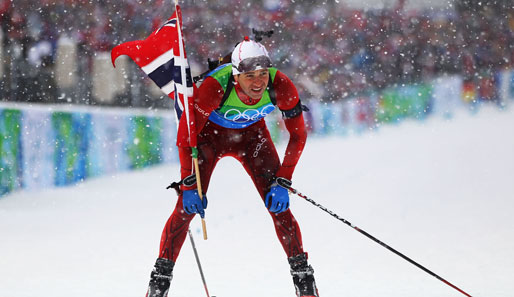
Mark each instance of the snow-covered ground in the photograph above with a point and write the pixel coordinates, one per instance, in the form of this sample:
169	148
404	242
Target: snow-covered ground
441	192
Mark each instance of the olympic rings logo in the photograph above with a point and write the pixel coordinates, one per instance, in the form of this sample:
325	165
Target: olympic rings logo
248	115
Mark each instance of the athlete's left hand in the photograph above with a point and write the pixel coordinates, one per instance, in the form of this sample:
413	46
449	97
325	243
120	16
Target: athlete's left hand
277	199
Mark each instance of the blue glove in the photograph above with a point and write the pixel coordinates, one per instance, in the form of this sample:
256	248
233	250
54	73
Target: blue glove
192	203
277	199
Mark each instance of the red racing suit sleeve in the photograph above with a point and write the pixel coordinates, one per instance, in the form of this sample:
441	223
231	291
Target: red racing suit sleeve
288	102
207	98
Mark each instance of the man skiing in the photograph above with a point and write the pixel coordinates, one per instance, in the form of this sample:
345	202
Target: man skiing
230	107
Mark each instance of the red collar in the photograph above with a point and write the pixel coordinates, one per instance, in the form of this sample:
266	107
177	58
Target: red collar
245	98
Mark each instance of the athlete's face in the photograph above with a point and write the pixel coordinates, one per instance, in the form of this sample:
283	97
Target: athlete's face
253	83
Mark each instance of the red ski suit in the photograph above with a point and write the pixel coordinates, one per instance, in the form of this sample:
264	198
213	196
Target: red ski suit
252	146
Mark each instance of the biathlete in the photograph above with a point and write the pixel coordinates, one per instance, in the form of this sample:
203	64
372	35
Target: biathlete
230	107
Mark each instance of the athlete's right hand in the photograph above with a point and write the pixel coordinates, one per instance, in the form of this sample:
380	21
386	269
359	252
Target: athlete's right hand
192	203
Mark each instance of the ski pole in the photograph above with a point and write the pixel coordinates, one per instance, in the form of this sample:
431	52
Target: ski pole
294	191
198	263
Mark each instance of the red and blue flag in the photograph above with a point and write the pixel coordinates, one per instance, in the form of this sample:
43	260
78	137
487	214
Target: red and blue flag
162	57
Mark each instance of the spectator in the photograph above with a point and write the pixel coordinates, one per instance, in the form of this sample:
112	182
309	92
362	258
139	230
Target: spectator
354	51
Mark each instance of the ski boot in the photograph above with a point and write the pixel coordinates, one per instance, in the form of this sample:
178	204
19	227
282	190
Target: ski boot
303	276
160	278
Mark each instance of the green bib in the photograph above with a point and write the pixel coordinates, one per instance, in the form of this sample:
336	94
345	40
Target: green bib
233	113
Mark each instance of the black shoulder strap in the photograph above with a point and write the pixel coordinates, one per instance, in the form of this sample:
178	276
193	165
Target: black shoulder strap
271	91
286	114
228	90
230	86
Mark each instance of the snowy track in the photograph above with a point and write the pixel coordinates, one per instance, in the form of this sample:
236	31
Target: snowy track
440	192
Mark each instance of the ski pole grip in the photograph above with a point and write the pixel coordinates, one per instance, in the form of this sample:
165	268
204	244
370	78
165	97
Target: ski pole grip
284	182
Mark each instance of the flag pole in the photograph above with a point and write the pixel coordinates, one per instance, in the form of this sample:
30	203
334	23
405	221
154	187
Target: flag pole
199	187
194	150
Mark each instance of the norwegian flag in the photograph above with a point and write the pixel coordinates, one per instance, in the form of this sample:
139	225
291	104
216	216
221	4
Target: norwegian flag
162	57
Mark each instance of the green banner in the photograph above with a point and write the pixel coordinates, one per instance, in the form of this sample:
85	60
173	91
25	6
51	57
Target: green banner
10	150
71	142
398	103
146	146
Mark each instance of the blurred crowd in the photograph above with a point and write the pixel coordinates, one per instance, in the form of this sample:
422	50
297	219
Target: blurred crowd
330	51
